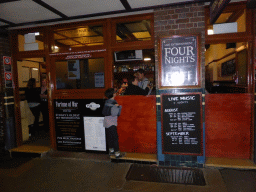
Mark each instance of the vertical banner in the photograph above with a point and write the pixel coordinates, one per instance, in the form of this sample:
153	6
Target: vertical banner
182	124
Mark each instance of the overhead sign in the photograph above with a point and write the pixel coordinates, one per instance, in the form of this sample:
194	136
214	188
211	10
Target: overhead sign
216	8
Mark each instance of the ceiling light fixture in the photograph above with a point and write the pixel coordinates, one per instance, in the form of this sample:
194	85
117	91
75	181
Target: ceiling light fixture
147	59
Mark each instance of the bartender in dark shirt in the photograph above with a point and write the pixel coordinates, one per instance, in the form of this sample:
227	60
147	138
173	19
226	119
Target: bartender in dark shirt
134	89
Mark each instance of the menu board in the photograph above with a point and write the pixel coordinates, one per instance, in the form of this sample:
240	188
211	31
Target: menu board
182	123
179	61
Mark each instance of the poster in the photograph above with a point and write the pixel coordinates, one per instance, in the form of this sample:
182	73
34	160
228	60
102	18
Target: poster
94	133
70	136
73	69
79	124
99	79
182	123
179	61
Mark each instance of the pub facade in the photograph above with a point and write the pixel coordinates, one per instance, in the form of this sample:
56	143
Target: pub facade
203	104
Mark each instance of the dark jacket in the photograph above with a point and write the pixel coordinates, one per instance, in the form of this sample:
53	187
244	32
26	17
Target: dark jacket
135	90
110	109
33	95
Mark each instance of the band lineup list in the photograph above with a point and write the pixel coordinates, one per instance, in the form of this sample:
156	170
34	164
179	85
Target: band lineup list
181	123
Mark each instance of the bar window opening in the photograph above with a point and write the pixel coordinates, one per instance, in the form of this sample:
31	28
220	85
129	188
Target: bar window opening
80	74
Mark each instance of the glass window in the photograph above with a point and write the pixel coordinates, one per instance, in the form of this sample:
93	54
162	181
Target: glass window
133	31
228	22
78	37
31	41
80	74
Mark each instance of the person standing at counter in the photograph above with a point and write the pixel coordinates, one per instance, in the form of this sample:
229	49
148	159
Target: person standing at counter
33	99
143	81
111	111
134	89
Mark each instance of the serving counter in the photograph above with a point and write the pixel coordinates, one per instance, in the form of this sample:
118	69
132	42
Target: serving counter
137	124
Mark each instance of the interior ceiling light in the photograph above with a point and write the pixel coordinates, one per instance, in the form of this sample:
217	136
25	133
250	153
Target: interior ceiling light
37	33
147	59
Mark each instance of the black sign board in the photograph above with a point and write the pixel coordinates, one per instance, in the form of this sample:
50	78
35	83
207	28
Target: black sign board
179	61
69	122
182	124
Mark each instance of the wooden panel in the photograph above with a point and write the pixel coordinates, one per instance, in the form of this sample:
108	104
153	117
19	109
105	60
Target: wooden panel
137	124
228	119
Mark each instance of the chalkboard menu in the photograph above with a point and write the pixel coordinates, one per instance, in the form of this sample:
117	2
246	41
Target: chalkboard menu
179	61
182	123
228	68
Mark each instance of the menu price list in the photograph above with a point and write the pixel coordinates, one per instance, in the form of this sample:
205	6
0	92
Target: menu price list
181	123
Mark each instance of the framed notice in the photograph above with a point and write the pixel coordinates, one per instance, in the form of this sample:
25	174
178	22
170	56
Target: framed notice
179	61
182	124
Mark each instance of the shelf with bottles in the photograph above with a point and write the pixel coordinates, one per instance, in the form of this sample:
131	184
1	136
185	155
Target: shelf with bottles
124	68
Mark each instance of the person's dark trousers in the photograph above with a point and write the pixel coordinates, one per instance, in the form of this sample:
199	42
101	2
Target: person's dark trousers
45	113
112	138
36	112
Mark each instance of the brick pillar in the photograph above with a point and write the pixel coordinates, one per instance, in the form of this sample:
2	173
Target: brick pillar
5	119
179	20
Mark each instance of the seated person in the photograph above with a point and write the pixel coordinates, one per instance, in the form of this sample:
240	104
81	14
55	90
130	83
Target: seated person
134	89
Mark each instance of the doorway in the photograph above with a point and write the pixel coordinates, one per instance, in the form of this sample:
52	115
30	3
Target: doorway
32	68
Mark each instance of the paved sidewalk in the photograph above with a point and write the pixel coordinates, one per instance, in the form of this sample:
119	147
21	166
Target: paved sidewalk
71	175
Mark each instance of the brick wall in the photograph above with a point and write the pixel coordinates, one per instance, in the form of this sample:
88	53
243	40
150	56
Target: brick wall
179	20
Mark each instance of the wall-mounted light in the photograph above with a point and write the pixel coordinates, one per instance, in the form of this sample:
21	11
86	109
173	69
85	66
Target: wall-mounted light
37	33
56	47
210	32
147	59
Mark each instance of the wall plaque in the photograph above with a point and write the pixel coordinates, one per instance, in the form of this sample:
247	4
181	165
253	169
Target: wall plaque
179	57
182	124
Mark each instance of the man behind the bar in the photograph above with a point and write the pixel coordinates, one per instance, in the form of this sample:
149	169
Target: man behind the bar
143	81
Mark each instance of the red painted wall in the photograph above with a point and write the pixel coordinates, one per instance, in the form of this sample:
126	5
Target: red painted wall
228	120
137	124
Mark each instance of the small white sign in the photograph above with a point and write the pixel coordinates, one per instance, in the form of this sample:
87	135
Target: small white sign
94	133
99	79
30	38
225	28
31	47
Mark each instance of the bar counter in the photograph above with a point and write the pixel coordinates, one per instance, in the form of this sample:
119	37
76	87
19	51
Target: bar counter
137	124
